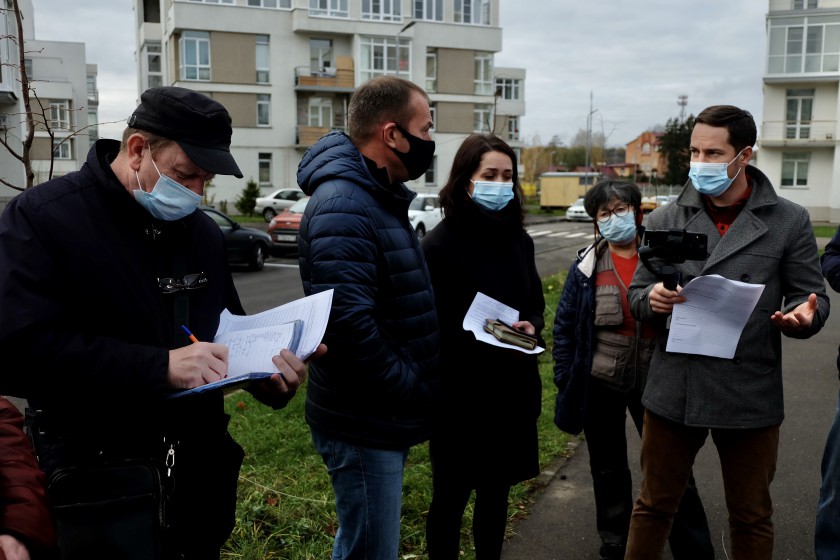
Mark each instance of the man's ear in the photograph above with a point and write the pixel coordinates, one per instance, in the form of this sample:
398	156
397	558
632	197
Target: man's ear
135	145
746	156
389	134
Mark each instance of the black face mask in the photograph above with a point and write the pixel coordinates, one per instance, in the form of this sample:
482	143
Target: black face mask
418	158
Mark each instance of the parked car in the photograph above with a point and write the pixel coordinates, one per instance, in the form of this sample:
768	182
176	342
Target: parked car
577	213
424	213
285	227
244	245
651	202
271	205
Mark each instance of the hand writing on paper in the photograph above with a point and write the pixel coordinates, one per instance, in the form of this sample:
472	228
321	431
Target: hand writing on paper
662	300
196	365
798	319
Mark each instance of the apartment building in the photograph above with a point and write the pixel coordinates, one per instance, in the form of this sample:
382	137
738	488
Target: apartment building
63	99
799	130
286	70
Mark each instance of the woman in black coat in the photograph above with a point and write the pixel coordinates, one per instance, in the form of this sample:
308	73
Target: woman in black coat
485	437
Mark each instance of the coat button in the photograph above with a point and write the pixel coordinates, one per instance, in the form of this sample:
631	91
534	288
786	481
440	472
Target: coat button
745	278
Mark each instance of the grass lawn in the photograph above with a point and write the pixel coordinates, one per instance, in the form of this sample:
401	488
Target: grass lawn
285	505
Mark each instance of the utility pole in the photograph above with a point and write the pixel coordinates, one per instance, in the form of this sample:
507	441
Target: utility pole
589	134
682	101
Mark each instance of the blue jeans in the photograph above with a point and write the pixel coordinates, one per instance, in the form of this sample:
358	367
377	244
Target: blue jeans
368	497
827	533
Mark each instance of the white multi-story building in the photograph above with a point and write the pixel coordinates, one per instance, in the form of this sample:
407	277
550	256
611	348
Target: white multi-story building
63	99
799	133
285	70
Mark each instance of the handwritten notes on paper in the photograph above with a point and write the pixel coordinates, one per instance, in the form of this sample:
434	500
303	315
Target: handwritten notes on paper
712	318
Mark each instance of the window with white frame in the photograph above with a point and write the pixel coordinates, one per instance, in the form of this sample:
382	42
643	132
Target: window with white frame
328	8
90	86
472	11
270	3
433	114
195	56
482	117
509	88
431	10
263	110
63	148
93	125
153	69
812	47
483	80
320	54
384	55
431	69
382	10
795	169
430	176
799	106
231	2
264	168
262	59
59	115
320	112
804	4
513	128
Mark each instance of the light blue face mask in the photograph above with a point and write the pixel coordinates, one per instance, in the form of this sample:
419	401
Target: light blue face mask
711	179
619	229
491	195
169	200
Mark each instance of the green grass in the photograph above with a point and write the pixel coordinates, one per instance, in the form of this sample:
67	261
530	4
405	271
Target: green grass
824	231
285	508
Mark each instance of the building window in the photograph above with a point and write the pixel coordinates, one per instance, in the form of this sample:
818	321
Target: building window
513	128
59	115
382	10
431	70
799	105
92	93
93	125
483	74
195	56
472	11
795	169
27	67
384	55
264	166
320	54
263	110
433	114
262	59
810	48
431	10
804	4
508	88
154	71
429	178
482	118
320	112
328	8
63	148
231	2
270	3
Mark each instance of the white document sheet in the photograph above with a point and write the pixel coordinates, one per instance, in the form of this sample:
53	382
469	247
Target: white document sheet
484	307
313	311
712	318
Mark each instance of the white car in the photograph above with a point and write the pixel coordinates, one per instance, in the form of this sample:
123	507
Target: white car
424	213
271	205
577	213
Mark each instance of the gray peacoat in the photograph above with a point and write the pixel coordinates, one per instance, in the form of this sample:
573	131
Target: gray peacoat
771	242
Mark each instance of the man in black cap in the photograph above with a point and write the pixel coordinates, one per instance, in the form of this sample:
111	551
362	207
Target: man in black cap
101	269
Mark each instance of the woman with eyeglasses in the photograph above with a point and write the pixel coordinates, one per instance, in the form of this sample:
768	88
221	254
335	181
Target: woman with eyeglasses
485	436
601	356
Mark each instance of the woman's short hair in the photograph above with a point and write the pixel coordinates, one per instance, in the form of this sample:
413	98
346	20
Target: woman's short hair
607	189
464	165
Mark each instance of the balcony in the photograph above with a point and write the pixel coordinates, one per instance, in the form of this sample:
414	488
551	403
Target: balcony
799	133
324	79
306	136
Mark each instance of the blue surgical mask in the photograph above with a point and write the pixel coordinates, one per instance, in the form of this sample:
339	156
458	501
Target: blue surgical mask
492	195
619	229
169	200
711	179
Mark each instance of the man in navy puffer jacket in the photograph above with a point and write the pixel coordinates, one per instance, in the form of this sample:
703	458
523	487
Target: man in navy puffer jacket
370	399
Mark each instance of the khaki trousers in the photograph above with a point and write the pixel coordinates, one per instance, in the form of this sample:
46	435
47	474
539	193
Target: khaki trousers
748	464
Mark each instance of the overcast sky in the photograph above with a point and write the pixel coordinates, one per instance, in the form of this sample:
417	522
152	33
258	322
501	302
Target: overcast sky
635	58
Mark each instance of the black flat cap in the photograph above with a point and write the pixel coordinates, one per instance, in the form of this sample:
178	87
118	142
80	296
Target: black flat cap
197	123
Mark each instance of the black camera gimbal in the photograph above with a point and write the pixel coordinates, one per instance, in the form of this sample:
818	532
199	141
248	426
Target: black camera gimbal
674	246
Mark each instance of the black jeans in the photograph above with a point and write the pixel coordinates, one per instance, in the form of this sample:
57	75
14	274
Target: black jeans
604	428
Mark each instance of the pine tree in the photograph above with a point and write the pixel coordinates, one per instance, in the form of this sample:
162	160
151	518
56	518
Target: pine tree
674	144
247	201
